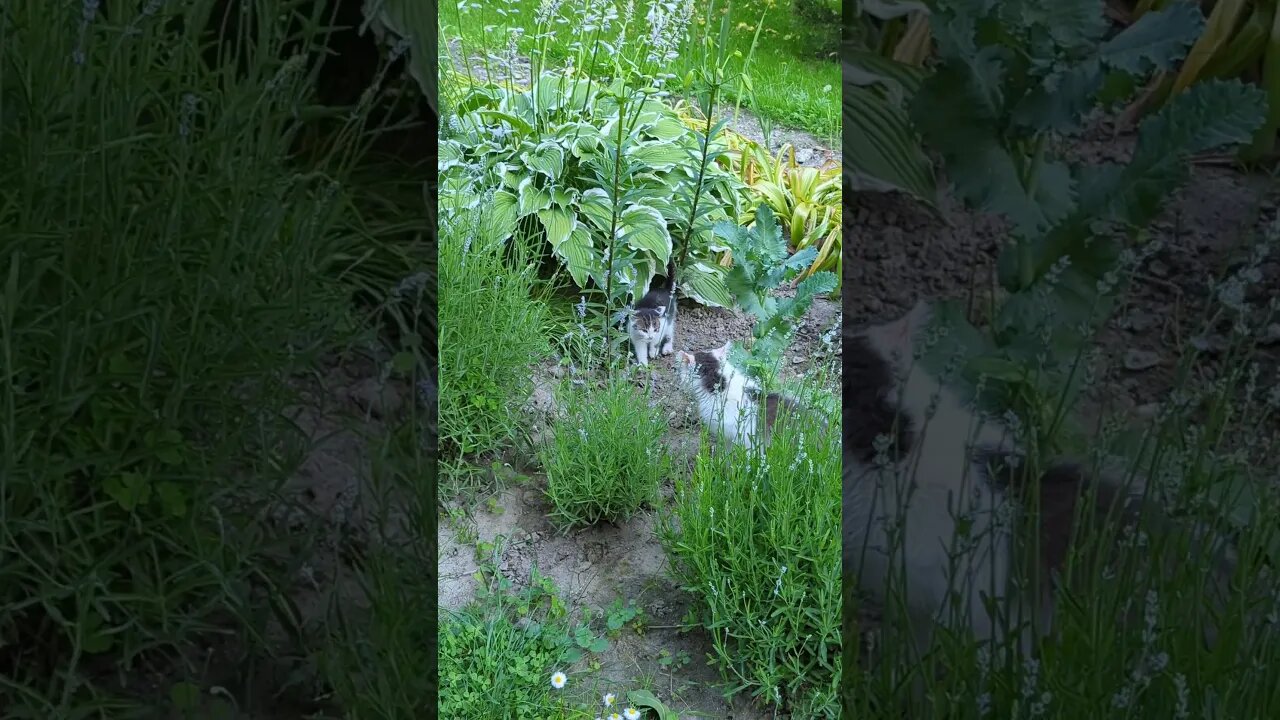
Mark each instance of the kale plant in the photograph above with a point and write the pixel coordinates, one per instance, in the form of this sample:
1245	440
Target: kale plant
761	265
1012	78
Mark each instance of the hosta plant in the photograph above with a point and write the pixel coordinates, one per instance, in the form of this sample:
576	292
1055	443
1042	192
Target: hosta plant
882	149
548	159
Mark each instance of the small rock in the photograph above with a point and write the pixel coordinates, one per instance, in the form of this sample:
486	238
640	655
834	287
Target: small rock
584	566
380	400
1147	411
1159	269
1209	344
1139	321
557	371
797	360
803	155
542	401
1138	360
1270	336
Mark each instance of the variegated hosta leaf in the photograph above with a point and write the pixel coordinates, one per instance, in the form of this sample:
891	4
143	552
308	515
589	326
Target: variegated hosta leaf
578	256
547	158
451	155
595	205
657	155
499	219
564	197
532	197
668	128
705	283
415	24
559	223
644	228
579	137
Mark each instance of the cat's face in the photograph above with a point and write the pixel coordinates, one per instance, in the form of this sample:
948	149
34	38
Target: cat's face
895	341
647	323
705	371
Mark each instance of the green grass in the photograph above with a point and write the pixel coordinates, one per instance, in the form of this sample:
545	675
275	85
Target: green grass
169	266
795	83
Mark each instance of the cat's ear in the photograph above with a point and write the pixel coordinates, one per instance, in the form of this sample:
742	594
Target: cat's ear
722	353
661	310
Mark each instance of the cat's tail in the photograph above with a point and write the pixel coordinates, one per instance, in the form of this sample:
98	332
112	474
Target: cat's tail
671	277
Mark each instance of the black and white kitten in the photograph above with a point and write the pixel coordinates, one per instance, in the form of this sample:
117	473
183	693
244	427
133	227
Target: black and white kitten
652	325
930	489
729	402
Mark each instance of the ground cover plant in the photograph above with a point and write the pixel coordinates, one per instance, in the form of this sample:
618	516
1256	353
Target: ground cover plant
1022	307
184	251
579	180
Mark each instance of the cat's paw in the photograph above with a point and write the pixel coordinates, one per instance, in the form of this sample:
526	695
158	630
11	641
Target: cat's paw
668	349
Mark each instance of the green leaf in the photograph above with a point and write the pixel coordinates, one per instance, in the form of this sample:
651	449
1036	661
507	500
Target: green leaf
185	696
706	284
129	490
515	122
532	197
881	148
644	228
595	206
578	255
1156	40
547	158
558	223
646	699
1207	116
657	155
1061	101
960	112
498	219
172	498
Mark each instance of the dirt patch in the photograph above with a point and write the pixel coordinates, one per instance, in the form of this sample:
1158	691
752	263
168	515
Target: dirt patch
899	252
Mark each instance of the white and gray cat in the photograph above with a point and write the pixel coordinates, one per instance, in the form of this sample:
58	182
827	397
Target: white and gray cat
921	468
652	325
729	402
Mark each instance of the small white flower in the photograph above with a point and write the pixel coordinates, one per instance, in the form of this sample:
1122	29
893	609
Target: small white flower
558	679
608	699
631	714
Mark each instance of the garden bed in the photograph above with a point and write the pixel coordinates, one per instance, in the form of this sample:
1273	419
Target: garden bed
902	253
595	566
